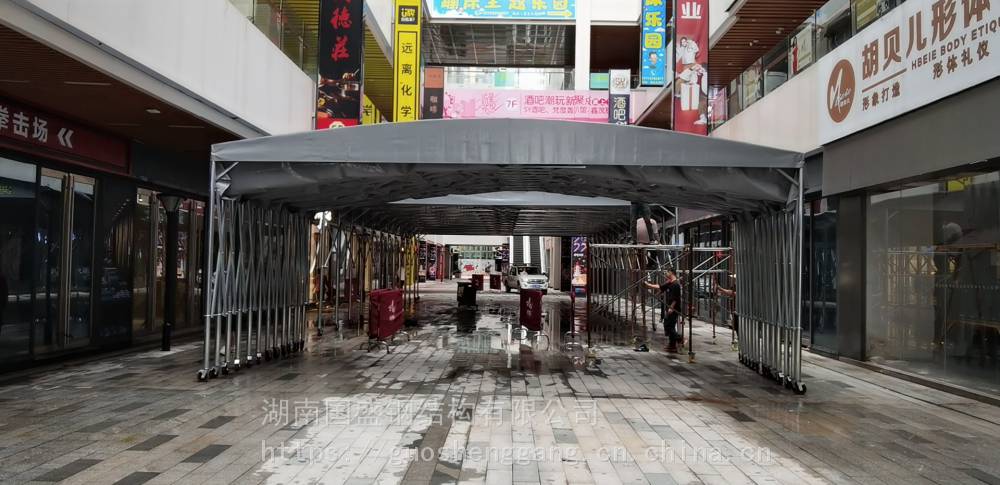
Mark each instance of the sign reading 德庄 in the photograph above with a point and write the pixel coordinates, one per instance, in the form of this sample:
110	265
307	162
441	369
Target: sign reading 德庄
25	127
341	37
917	53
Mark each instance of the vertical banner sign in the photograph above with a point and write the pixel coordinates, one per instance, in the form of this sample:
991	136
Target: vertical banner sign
618	96
341	43
690	111
654	42
406	61
433	105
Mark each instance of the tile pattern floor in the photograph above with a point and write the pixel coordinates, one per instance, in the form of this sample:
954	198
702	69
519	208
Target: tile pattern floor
460	403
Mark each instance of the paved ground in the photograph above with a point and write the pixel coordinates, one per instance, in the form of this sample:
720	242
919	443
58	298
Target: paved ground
462	403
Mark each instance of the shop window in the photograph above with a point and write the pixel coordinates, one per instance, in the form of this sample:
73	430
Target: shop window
802	47
775	65
833	26
17	204
933	280
864	12
752	84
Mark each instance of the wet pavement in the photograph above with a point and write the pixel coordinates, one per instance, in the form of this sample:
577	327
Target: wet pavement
472	398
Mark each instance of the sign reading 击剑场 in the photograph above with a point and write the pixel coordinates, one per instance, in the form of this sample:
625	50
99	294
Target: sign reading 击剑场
917	53
23	127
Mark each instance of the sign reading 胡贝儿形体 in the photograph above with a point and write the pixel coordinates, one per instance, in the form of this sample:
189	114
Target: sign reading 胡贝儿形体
493	9
917	53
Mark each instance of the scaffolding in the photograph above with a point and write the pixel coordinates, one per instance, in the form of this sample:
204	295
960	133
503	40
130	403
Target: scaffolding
618	273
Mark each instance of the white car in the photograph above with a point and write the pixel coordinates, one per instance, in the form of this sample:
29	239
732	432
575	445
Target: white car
526	277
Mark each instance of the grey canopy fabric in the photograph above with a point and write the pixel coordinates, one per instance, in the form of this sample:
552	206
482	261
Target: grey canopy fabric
371	169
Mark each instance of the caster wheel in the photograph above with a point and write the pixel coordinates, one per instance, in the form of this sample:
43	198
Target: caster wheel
799	388
267	355
225	370
202	375
259	356
275	353
249	361
236	366
213	373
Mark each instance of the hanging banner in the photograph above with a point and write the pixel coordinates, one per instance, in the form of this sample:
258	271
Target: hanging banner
341	44
406	61
916	54
370	115
618	96
503	9
690	110
589	106
433	106
654	42
579	255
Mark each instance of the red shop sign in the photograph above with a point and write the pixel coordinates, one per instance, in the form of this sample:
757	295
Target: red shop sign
23	125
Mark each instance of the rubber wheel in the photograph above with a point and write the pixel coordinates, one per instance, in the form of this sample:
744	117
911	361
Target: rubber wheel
799	388
202	375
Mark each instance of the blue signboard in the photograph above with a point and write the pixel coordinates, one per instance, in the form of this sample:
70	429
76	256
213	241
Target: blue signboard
501	9
654	42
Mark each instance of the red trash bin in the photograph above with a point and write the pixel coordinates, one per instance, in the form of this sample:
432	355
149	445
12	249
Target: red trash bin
531	309
477	281
495	282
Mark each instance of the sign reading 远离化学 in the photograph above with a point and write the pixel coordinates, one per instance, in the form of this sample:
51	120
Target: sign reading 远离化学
406	61
654	42
917	53
496	9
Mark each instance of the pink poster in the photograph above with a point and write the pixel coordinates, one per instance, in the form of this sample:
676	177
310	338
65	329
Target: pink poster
588	106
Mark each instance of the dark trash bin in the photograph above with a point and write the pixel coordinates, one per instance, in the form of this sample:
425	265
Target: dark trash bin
531	309
495	282
477	281
466	293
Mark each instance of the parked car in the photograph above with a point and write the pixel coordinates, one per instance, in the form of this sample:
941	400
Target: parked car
527	277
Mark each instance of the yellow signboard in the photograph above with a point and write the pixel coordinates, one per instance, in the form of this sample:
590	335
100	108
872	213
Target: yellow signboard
370	115
406	61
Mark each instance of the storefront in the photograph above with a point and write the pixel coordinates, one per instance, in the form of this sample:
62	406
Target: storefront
79	241
918	242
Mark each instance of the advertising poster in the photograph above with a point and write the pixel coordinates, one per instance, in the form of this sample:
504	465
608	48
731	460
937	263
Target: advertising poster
341	43
690	113
406	61
914	55
800	52
618	97
654	42
433	105
588	106
753	83
503	9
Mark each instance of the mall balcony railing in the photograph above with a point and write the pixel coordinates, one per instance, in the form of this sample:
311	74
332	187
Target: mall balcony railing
828	27
286	27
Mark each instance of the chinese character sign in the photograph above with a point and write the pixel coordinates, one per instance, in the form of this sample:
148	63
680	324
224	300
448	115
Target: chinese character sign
587	106
338	101
579	249
690	110
654	42
406	61
499	9
618	96
72	143
370	115
433	106
921	51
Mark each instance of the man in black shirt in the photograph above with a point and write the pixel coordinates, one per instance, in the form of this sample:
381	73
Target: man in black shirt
671	307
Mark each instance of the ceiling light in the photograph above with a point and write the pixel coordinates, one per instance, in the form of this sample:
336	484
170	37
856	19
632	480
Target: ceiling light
15	81
124	124
153	111
86	83
189	127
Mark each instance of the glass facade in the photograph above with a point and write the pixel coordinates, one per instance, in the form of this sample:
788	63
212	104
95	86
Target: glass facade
933	279
819	276
78	258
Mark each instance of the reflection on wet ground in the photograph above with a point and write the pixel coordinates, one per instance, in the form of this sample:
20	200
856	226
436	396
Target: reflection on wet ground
473	398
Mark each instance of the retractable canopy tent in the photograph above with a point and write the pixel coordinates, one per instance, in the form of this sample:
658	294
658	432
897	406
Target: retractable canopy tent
502	176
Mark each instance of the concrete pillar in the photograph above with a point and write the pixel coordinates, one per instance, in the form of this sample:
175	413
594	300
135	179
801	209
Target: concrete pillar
581	78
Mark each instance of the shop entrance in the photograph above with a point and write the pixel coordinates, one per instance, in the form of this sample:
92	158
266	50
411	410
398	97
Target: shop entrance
66	206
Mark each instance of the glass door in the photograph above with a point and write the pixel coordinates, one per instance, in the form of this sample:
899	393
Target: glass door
66	204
